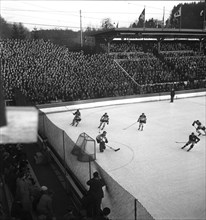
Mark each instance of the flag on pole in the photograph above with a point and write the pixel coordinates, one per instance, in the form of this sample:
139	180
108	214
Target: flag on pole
178	12
142	15
202	13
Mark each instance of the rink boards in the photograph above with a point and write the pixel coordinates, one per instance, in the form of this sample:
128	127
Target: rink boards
168	183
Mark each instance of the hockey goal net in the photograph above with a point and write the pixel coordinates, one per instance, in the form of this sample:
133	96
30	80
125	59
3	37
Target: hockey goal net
85	148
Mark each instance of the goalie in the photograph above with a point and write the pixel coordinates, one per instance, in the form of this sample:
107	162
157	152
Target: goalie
101	140
142	120
199	127
77	118
193	139
103	121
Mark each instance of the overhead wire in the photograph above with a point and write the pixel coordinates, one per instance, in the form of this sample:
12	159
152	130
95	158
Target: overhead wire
71	13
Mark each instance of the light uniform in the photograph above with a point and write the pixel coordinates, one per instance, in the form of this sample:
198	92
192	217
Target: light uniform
103	121
199	127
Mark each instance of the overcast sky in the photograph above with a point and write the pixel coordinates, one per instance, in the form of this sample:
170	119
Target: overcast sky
66	14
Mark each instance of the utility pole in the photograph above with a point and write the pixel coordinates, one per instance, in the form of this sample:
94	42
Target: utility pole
163	18
81	42
204	19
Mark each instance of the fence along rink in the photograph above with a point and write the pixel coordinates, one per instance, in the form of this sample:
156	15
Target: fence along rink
124	206
85	148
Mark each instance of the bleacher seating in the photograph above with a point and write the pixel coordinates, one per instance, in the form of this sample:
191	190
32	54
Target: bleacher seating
45	72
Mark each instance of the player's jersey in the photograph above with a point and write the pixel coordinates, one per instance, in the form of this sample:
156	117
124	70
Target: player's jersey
77	115
198	123
105	118
193	138
142	119
101	138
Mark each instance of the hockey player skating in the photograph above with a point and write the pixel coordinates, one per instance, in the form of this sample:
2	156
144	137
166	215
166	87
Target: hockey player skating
193	139
102	140
77	118
199	127
142	120
103	121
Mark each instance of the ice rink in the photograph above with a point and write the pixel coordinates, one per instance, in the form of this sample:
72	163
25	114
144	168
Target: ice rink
168	181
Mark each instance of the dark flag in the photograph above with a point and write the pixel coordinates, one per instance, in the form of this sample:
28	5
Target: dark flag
142	16
178	13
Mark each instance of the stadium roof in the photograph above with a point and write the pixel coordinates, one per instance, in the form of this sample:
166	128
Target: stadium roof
157	33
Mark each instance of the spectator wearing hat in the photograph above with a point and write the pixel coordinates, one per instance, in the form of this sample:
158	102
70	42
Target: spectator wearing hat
95	195
104	215
45	207
102	140
70	215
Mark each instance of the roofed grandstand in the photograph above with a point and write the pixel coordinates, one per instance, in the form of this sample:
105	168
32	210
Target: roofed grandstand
45	72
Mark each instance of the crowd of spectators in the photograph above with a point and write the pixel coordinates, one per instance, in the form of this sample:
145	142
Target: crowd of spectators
180	46
14	168
45	72
32	201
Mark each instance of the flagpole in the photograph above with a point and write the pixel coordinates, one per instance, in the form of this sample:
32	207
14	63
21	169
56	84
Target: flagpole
204	14
144	18
180	17
163	19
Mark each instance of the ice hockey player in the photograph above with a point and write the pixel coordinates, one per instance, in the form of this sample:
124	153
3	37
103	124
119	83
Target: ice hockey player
199	127
142	120
77	118
104	120
101	140
193	139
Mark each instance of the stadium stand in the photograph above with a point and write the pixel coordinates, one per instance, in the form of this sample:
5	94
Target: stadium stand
45	72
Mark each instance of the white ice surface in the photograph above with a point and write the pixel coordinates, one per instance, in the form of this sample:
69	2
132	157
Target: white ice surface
168	181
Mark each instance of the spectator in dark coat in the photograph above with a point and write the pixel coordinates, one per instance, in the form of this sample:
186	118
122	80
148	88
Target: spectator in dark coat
95	194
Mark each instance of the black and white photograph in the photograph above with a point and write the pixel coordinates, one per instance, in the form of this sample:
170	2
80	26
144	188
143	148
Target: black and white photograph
102	110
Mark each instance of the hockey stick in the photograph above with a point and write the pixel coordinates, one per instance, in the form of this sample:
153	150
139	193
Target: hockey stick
113	148
180	142
129	126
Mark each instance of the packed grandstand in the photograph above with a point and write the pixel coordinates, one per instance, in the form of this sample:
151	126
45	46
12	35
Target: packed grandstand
45	72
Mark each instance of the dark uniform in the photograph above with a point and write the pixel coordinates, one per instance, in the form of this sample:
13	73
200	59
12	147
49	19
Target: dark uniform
193	139
101	139
77	118
142	120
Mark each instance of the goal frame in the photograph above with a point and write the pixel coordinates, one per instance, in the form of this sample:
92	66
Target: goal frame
85	148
